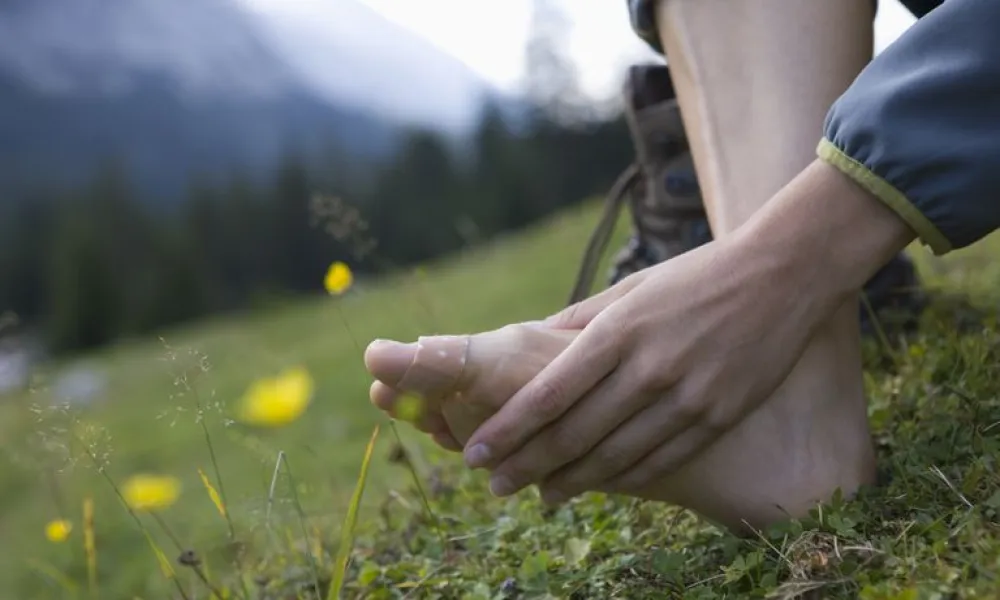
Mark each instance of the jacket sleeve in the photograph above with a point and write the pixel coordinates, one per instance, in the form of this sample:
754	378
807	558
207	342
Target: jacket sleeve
920	126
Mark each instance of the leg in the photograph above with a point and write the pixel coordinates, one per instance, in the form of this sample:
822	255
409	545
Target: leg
754	81
666	204
811	437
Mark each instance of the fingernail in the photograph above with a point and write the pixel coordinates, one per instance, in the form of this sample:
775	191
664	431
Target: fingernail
477	456
501	486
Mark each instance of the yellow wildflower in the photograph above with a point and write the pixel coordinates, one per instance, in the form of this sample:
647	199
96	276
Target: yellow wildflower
57	531
338	278
277	401
151	492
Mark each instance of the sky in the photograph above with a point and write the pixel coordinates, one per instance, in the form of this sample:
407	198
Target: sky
490	35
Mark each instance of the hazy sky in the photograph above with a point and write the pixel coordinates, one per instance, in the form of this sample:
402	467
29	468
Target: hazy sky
489	35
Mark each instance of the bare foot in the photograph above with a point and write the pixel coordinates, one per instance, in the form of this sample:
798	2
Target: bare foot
793	452
460	381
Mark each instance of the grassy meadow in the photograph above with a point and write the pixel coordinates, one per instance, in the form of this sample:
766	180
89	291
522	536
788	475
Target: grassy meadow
931	531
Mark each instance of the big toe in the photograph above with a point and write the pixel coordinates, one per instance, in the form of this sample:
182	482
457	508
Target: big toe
433	366
388	361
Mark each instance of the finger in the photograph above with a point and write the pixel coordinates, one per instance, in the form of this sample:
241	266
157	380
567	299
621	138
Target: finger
662	462
578	368
446	441
648	429
609	404
579	315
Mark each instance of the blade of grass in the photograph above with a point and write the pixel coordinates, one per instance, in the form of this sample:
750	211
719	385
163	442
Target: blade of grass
420	488
89	545
161	558
883	339
347	531
194	566
218	497
271	490
293	485
213	494
55	575
142	527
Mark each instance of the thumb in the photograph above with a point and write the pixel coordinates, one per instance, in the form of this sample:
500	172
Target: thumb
579	315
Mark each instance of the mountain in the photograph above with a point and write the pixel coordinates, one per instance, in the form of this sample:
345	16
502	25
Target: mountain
179	87
348	52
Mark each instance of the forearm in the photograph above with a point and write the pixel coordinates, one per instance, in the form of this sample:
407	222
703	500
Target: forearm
821	237
919	129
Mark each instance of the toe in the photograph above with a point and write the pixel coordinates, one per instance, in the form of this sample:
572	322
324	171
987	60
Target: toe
388	361
383	396
431	367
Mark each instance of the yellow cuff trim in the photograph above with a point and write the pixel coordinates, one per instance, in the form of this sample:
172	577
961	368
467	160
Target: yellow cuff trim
887	193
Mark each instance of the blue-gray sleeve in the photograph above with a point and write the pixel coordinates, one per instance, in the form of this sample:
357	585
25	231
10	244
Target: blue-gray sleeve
920	127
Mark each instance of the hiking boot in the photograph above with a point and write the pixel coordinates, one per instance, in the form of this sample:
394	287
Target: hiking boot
661	189
668	215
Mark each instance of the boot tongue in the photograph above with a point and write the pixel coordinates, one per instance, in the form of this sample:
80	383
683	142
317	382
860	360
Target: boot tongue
653	116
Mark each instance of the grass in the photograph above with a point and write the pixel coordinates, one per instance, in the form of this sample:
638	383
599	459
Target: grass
931	531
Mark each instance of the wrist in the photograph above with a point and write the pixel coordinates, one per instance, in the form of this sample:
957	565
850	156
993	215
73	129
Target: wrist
824	233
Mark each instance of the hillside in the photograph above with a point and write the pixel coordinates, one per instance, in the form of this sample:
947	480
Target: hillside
928	533
174	89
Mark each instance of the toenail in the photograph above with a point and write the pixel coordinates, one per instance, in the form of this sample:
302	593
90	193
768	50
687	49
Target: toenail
501	486
383	343
477	456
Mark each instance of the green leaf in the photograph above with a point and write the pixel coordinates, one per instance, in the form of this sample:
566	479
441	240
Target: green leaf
667	564
534	569
576	551
369	573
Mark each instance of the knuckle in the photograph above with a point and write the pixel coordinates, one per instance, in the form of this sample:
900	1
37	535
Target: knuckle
652	370
547	399
688	408
616	326
611	460
634	480
520	473
716	420
564	444
516	331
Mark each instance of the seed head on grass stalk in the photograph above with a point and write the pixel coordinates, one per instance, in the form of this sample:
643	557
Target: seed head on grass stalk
90	545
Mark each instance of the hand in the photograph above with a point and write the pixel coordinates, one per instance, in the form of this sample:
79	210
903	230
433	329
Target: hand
668	360
672	357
